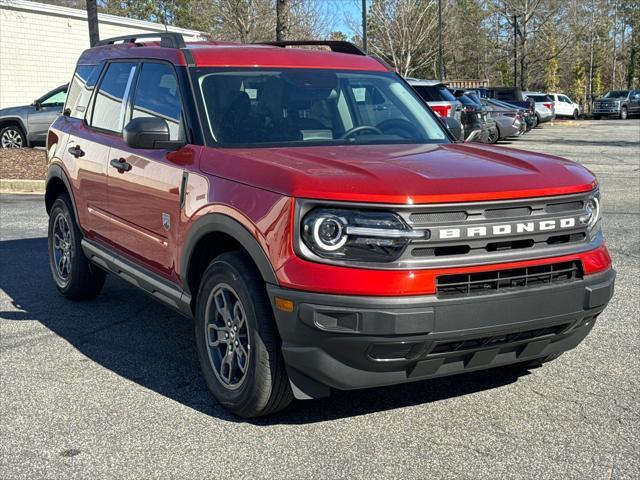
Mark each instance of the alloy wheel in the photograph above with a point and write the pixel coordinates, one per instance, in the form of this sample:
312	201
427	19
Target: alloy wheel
11	138
227	336
62	244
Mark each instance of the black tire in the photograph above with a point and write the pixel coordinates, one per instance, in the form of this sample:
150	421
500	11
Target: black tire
493	139
537	120
12	136
83	280
597	117
576	114
624	113
263	388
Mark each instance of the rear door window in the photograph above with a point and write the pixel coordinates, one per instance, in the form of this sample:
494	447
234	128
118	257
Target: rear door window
157	95
110	102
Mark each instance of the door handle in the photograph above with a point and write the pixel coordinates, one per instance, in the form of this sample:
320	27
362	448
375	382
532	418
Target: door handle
120	164
76	151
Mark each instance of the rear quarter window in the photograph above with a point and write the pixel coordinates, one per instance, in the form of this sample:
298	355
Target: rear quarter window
80	88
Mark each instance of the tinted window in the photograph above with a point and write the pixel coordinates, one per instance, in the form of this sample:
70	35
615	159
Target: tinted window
55	100
304	107
539	98
157	95
82	84
108	108
466	101
434	93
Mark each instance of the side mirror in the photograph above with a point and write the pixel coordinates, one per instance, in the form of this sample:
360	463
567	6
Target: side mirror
454	127
36	104
149	133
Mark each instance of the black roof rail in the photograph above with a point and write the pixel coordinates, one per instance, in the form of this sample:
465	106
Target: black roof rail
167	39
338	46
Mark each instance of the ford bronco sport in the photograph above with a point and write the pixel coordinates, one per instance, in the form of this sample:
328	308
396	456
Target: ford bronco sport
320	224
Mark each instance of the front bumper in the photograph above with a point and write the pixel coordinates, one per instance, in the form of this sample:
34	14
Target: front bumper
351	342
606	111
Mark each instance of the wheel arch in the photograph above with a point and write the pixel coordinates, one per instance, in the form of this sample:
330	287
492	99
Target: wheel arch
58	183
211	235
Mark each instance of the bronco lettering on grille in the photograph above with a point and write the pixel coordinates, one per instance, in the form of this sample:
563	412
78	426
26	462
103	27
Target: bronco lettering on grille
507	228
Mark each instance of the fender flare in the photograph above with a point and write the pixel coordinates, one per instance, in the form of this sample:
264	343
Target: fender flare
220	223
55	171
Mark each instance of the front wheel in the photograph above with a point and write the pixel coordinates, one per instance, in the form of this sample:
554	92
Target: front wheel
237	341
12	137
576	114
624	113
75	277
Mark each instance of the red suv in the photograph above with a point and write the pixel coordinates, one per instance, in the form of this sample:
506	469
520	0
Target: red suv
315	218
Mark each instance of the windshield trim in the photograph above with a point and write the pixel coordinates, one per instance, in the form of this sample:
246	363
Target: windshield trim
195	72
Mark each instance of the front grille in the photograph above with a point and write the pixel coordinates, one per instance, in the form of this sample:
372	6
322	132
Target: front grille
482	283
453	250
421	218
492	230
495	340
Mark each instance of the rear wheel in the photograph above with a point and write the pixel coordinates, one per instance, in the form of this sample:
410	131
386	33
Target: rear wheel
494	137
624	113
11	136
75	277
237	340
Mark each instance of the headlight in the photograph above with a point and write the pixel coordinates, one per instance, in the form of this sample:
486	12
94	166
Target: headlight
592	212
358	235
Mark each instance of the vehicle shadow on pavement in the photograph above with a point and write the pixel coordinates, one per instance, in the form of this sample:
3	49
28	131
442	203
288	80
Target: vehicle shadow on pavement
132	335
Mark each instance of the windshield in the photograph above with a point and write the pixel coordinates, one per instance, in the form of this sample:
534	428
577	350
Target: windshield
313	107
616	94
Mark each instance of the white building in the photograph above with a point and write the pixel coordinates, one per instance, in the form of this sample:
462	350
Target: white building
40	44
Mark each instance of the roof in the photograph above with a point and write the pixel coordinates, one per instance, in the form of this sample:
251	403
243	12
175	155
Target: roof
226	54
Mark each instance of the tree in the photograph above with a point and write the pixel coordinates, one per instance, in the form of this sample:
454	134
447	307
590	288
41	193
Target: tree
402	33
282	19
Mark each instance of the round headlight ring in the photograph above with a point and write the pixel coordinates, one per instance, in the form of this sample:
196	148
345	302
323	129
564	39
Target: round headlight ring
329	233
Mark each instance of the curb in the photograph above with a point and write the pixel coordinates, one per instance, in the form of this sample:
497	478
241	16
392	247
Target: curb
21	186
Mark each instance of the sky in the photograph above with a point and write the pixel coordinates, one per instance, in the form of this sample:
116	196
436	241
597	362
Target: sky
344	10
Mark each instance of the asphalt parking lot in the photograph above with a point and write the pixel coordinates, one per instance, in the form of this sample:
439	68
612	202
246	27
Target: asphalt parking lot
112	388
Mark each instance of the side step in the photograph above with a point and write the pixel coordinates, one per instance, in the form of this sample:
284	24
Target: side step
161	290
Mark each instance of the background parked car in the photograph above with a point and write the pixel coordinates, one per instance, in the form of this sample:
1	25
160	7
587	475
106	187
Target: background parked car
510	121
564	106
543	105
620	103
513	96
438	97
473	119
491	125
27	125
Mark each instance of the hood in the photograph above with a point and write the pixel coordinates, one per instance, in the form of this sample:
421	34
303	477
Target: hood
13	111
400	174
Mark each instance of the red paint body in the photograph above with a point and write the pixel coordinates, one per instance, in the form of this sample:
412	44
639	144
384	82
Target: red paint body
257	187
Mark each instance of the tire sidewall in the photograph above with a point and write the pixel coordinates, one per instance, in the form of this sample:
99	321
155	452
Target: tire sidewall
16	129
624	114
221	271
60	207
